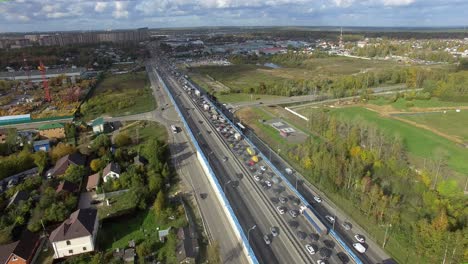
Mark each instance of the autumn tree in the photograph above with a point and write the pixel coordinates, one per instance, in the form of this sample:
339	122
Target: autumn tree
61	150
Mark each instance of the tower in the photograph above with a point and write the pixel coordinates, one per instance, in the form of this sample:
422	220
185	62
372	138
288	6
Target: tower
45	83
341	45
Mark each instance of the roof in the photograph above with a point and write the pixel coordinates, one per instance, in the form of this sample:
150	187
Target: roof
23	248
93	181
113	166
188	245
18	197
62	164
79	224
50	126
67	186
41	142
98	121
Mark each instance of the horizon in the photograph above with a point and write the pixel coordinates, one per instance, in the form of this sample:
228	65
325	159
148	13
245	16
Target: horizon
59	15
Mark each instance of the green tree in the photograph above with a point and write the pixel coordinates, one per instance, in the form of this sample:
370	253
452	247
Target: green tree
101	141
213	254
122	139
41	160
159	203
75	173
97	165
61	150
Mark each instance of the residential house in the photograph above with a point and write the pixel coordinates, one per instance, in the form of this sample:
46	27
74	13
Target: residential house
111	171
98	125
67	186
23	251
76	235
93	182
52	130
41	145
3	136
18	197
63	163
187	245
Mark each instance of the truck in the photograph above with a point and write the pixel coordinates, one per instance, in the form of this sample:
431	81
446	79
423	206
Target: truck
237	136
313	220
251	151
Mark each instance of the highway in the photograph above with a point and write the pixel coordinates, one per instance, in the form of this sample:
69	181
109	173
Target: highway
288	246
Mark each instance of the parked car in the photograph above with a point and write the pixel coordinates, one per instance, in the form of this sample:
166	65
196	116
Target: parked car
360	238
330	219
268	183
263	168
318	199
311	249
359	247
293	213
283	199
280	209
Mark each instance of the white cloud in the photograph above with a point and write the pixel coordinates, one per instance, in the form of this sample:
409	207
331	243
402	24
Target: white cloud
343	3
397	2
120	10
100	6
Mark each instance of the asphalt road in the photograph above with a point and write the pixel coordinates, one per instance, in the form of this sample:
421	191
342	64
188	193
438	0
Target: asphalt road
215	150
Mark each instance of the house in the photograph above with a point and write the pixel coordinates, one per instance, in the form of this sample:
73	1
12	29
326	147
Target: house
111	171
75	235
187	246
162	234
66	186
93	182
63	163
23	251
53	130
98	125
41	145
18	197
3	136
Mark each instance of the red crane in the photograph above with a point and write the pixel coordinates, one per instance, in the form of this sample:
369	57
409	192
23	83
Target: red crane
45	83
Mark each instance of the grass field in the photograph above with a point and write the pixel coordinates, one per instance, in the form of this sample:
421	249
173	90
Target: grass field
404	105
452	123
242	97
420	143
145	130
113	94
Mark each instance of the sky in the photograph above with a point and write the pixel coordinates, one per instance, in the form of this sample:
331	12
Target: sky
55	15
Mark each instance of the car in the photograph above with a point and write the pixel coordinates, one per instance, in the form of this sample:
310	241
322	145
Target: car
263	168
318	199
257	177
267	239
360	238
359	247
346	225
274	231
293	213
311	249
288	171
283	199
330	219
280	209
268	183
225	158
321	261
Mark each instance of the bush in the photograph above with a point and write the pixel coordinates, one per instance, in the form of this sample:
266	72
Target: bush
122	139
409	104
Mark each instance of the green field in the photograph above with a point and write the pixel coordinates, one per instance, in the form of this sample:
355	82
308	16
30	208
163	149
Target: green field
405	105
242	97
420	143
451	123
117	95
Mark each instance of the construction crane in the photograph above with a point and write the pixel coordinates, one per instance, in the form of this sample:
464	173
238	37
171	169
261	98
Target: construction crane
45	83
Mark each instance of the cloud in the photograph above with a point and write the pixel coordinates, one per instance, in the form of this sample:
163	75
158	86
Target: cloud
397	2
100	7
120	10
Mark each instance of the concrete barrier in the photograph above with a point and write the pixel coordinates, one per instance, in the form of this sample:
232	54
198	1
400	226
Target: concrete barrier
214	182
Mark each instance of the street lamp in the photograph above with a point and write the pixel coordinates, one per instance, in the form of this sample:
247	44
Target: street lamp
225	184
248	233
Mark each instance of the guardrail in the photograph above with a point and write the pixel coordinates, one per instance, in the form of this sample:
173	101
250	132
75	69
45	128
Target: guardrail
273	167
205	165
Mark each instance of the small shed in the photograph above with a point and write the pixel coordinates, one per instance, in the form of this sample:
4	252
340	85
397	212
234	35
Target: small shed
163	234
41	145
98	125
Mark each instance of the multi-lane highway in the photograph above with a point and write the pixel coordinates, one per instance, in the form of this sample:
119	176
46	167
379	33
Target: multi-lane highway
253	204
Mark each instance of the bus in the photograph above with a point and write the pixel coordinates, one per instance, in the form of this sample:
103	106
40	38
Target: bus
174	129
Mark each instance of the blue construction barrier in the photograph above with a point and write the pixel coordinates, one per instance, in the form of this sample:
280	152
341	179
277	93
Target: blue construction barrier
251	255
304	201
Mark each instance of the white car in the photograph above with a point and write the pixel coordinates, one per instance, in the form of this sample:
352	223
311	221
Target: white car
320	261
359	247
330	219
318	199
256	177
268	183
280	209
263	168
310	249
360	238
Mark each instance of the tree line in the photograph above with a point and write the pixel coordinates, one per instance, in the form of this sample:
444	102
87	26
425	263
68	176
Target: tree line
369	169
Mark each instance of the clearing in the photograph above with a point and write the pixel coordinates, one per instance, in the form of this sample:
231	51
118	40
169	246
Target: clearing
111	96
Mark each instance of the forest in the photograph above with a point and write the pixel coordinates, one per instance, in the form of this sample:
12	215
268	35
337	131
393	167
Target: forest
369	169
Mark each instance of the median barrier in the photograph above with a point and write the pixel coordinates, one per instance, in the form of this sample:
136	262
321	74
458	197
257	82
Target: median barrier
213	180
